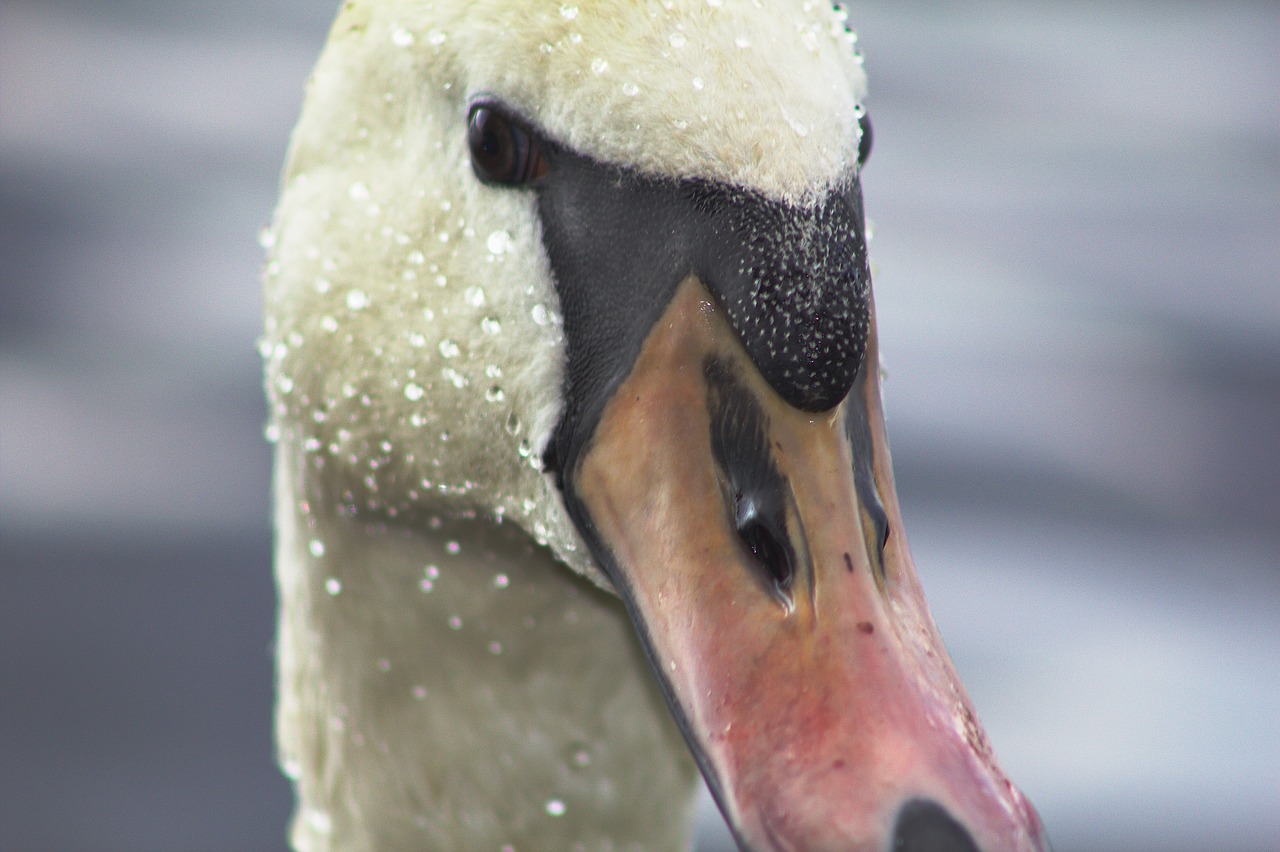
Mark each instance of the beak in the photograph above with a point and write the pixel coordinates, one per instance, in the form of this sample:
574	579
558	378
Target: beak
760	552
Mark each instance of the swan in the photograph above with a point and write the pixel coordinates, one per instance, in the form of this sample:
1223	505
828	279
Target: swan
581	482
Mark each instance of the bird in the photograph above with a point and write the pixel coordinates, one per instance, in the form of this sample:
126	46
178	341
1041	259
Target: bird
581	484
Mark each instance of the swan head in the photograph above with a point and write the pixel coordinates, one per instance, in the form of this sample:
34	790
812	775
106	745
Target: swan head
599	271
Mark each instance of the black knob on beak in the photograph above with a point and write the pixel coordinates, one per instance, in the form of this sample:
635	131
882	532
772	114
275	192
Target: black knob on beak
925	826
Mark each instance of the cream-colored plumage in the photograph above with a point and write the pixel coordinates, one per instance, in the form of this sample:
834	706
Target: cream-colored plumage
456	688
444	681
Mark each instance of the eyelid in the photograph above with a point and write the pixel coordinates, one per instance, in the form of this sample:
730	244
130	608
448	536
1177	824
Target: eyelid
530	163
512	117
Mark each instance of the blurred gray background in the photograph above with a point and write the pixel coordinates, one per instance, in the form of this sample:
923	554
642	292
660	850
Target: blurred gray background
1077	220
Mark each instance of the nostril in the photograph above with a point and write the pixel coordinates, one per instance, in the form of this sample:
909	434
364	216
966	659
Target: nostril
769	552
765	544
756	493
925	826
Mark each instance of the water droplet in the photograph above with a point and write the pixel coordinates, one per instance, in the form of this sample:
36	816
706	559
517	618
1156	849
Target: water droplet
555	807
599	65
329	324
426	586
319	821
435	38
271	433
575	37
742	42
358	191
417	340
419	693
513	424
539	314
799	127
401	37
494	394
501	581
677	39
455	623
498	242
456	379
453	547
291	768
267	238
316	547
495	648
568	12
449	349
698	84
524	449
474	296
333	586
357	300
630	89
413	392
491	326
431	572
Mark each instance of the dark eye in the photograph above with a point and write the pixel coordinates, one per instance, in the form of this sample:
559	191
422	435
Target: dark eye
502	152
864	144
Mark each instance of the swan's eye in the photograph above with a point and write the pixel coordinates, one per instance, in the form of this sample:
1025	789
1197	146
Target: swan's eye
502	152
864	143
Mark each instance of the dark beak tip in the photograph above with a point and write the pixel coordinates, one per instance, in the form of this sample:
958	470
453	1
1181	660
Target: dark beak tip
925	826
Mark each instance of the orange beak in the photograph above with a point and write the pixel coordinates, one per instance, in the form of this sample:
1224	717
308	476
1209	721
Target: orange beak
761	554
